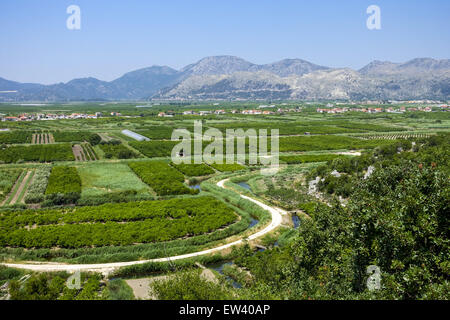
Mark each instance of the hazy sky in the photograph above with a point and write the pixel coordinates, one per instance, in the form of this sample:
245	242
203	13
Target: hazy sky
120	36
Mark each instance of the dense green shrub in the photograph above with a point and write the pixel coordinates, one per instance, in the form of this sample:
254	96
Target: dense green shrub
118	289
199	288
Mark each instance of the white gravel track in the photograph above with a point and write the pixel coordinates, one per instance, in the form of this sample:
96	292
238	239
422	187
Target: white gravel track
106	268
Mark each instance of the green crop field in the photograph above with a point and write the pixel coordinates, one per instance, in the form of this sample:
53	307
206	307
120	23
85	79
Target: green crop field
101	178
115	224
78	191
7	179
64	180
162	178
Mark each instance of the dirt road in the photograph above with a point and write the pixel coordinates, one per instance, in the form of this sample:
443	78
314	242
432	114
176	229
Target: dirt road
20	189
107	268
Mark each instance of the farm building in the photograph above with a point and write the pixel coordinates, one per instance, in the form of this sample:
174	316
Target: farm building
135	135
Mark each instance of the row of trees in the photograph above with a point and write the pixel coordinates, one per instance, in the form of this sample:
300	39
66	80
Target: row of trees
114	224
193	170
40	153
328	142
77	136
15	137
53	287
124	212
297	159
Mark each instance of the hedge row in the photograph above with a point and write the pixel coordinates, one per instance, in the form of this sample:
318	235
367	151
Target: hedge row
227	167
36	191
310	158
328	142
193	170
15	137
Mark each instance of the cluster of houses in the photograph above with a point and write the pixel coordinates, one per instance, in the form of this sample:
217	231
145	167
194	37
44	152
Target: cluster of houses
376	110
217	112
404	109
342	110
49	116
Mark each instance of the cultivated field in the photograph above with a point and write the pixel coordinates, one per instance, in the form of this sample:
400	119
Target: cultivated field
81	192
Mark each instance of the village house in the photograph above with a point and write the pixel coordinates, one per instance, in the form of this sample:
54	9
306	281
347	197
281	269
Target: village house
10	119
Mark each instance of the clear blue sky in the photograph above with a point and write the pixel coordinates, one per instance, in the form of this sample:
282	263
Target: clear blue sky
119	36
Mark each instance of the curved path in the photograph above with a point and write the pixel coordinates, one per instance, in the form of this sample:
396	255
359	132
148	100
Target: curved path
106	268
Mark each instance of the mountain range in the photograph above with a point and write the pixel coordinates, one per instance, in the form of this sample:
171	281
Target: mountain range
231	78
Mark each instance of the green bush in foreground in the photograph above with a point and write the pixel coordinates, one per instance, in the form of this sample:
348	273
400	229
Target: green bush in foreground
189	285
53	287
396	219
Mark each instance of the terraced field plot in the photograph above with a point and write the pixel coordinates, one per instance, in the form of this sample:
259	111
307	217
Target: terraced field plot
161	177
98	179
42	138
117	151
15	137
395	136
114	224
37	153
8	179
